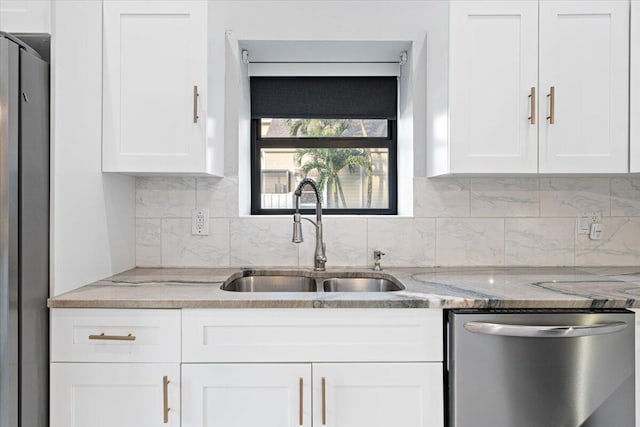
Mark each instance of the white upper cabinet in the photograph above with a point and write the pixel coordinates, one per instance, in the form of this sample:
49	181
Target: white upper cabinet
557	107
584	56
155	87
635	86
493	72
25	16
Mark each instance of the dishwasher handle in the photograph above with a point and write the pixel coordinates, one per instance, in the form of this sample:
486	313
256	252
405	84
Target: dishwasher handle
533	331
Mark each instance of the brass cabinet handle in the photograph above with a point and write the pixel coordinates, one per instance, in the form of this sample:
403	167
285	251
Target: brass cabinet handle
324	401
104	337
301	408
195	104
532	100
552	105
165	399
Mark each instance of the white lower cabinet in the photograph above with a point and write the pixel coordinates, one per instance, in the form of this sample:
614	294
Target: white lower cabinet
115	394
337	394
246	368
242	395
115	368
378	395
312	368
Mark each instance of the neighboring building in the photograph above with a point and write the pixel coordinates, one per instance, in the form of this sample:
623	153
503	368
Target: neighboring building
280	174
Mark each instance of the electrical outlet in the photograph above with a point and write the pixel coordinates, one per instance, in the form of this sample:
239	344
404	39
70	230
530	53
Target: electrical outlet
585	219
200	222
596	231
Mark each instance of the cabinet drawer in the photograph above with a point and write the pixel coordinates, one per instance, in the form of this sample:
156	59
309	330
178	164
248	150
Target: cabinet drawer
104	335
307	335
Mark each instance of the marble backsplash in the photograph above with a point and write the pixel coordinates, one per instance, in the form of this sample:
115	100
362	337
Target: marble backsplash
457	221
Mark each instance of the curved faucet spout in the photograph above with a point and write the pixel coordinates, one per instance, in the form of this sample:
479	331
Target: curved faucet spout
320	257
310	182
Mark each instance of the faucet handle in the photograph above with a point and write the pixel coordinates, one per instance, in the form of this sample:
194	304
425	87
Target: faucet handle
377	257
324	252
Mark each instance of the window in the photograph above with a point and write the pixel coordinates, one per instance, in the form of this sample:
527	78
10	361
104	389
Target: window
338	131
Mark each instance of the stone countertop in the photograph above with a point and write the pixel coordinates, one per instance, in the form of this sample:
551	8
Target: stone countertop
468	287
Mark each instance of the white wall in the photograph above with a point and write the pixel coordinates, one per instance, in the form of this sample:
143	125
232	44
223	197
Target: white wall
91	212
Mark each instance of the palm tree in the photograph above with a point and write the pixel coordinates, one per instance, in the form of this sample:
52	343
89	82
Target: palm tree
329	162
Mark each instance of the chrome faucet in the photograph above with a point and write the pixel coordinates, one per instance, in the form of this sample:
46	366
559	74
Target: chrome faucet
320	258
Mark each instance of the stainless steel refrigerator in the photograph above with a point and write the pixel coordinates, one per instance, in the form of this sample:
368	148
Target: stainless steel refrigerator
24	235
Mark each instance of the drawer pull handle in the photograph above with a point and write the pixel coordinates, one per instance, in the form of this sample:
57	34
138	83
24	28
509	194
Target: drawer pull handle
324	401
301	408
165	399
104	337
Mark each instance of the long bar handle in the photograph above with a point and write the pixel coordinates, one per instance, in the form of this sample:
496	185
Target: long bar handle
165	399
324	401
532	331
301	405
195	104
532	105
104	337
552	105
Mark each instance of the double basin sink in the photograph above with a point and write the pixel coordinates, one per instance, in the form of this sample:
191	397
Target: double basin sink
306	281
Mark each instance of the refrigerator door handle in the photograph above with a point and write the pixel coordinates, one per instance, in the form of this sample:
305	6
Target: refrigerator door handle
544	331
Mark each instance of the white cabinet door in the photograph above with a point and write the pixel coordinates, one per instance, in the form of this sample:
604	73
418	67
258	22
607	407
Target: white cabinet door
155	61
25	16
493	71
584	56
243	395
635	86
114	394
378	395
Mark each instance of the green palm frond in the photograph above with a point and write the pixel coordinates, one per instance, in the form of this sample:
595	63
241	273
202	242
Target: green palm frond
329	162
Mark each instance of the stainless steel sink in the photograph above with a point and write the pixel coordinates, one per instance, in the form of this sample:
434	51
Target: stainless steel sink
270	284
361	284
306	281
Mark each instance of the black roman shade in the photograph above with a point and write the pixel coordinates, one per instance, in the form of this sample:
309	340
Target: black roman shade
324	97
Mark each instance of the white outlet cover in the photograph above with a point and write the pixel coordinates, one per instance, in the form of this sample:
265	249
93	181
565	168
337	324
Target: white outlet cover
200	222
585	219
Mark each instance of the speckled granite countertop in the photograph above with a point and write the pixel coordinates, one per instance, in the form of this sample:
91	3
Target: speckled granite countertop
520	287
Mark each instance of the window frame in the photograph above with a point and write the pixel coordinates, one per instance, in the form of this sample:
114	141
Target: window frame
390	142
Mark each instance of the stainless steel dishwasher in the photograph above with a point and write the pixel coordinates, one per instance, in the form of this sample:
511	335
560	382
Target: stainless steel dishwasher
541	368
